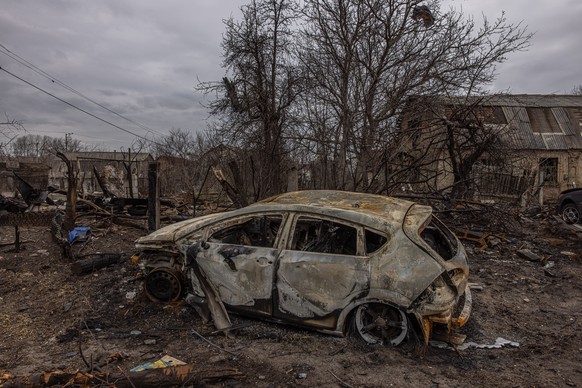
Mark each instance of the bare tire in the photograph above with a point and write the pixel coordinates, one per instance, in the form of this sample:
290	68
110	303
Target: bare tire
163	285
570	214
378	323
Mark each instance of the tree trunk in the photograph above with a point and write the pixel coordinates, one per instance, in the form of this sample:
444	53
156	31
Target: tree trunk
72	180
94	261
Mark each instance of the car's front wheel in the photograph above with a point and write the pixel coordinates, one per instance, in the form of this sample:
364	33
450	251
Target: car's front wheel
378	323
163	285
570	214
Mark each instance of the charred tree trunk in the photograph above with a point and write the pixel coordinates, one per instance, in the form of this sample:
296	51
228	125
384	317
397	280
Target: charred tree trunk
72	181
237	199
94	261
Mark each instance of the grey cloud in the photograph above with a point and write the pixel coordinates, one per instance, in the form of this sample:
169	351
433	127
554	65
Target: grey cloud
143	59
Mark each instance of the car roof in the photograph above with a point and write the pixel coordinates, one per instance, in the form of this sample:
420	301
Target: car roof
374	211
360	207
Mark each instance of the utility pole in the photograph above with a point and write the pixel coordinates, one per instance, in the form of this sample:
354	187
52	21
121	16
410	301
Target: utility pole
67	137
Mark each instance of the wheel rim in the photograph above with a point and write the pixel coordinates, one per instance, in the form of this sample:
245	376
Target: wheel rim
570	214
381	324
163	286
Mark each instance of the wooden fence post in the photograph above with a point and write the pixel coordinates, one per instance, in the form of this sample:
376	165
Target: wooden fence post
153	198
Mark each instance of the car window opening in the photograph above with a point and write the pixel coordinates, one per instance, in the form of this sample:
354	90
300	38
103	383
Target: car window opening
440	239
374	241
257	232
322	236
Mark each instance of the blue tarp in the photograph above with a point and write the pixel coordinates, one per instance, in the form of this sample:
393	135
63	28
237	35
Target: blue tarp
79	233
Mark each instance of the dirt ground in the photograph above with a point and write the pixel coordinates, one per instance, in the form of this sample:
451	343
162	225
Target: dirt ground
52	319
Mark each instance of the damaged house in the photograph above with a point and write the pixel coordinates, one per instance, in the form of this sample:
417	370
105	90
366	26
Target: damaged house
522	147
124	174
36	174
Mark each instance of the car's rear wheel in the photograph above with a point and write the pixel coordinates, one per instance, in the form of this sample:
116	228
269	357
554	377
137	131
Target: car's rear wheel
378	323
570	214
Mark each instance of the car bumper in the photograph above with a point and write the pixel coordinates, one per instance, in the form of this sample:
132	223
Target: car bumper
457	316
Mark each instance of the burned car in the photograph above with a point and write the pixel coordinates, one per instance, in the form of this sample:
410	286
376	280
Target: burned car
327	260
570	205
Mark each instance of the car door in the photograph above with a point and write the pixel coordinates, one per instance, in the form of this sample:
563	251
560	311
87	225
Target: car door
239	260
322	271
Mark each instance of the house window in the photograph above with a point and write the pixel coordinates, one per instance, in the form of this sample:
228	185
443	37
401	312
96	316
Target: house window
549	171
491	115
542	120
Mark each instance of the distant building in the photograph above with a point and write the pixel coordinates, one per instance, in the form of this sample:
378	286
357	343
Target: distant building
112	167
36	174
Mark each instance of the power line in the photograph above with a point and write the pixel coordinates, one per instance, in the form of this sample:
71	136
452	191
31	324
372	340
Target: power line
79	109
48	76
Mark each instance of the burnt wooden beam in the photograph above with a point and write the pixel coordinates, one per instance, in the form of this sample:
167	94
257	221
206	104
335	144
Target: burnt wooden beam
94	261
153	198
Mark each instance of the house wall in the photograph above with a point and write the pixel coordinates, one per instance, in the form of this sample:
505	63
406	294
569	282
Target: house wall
522	164
568	173
536	143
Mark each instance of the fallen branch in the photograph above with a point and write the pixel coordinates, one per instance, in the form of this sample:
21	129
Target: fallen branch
340	381
95	261
212	344
162	377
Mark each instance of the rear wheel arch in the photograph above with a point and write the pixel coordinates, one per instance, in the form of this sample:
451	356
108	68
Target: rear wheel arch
379	323
346	317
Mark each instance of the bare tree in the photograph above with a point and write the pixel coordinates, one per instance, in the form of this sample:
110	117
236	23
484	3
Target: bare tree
366	59
181	151
469	132
45	147
254	100
9	130
331	95
178	143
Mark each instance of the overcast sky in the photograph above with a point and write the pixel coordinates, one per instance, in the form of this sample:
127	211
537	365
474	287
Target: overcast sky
143	58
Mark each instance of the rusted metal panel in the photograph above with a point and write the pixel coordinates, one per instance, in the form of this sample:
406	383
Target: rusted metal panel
520	134
314	285
570	126
241	274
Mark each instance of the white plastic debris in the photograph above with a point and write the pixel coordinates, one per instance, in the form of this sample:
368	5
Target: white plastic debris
499	343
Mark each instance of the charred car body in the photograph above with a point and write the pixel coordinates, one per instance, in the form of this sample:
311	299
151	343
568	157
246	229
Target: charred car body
327	260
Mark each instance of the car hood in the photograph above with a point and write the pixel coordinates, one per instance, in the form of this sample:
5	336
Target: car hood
174	232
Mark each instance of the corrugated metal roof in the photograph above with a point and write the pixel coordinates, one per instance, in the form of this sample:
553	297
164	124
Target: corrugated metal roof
518	100
535	100
524	135
558	126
